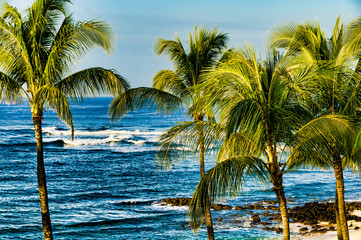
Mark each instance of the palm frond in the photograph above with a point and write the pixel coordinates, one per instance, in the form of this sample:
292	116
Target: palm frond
167	80
225	179
321	139
136	98
10	90
55	99
183	139
91	82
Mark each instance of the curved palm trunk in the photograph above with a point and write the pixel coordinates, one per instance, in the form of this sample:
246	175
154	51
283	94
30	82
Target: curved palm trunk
277	181
43	192
207	211
340	189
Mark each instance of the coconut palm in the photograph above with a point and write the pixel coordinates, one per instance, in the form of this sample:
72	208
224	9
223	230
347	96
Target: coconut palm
37	52
258	103
336	89
174	89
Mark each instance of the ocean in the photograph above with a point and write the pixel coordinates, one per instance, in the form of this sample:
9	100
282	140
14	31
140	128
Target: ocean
106	185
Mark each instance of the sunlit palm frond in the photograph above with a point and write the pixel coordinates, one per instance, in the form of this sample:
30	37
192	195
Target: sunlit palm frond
167	80
91	82
55	99
10	90
72	42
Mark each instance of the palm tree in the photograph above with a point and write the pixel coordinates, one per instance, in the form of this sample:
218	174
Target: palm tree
173	89
325	142
336	89
259	106
37	53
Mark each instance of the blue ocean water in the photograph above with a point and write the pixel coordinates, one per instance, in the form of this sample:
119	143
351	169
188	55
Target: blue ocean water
105	184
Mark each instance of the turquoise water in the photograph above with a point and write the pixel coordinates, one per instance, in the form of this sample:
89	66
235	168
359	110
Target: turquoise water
105	183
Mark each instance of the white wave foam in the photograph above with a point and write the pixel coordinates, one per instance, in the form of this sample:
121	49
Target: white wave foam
162	206
137	142
87	142
54	132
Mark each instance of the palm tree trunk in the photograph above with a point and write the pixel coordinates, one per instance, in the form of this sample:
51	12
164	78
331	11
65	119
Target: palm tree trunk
340	189
280	193
337	215
43	192
207	211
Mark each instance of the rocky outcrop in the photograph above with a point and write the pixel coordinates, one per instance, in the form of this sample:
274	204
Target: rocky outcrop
314	212
309	214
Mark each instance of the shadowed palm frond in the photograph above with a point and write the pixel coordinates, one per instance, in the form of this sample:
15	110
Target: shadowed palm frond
136	98
224	179
322	138
183	139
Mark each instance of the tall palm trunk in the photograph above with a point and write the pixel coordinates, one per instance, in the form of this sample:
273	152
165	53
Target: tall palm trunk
43	192
207	211
340	189
337	215
277	181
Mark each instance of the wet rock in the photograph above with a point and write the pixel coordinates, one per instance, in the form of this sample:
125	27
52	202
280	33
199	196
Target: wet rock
277	230
178	202
265	223
255	218
314	212
304	230
322	230
331	229
357	228
220	207
219	219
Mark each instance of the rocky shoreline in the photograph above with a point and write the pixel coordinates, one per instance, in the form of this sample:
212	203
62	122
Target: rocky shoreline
309	215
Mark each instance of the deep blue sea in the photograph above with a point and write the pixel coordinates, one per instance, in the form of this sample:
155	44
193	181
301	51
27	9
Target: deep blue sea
105	184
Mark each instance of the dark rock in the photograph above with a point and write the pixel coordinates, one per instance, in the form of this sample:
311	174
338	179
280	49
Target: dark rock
219	219
322	230
277	230
304	230
220	207
332	229
357	228
178	202
255	218
265	223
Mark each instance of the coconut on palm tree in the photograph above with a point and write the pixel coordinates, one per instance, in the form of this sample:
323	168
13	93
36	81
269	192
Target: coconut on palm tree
335	90
37	53
172	90
259	105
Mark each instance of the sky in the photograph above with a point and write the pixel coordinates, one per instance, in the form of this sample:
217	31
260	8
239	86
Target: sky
137	23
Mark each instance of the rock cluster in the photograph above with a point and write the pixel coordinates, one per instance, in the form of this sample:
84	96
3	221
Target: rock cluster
314	212
309	214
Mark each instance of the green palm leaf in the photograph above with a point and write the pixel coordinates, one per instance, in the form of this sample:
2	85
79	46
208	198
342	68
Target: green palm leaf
225	179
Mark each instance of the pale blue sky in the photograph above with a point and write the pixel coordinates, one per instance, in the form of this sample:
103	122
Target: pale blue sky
137	23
